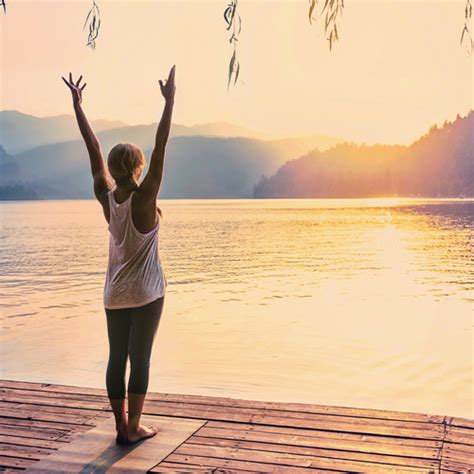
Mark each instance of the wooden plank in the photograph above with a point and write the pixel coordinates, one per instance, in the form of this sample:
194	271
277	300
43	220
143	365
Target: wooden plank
428	431
242	403
12	393
97	451
180	467
456	434
453	466
41	426
67	411
461	448
18	463
298	408
321	433
462	422
176	465
50	435
295	460
330	440
75	403
169	467
219	412
50	387
11	470
24	452
415	430
327	422
314	451
246	465
26	423
459	453
293	415
55	416
35	442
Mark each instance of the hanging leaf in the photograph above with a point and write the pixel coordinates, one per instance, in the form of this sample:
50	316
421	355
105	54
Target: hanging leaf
227	16
93	20
87	19
466	33
331	9
237	72
234	22
231	69
311	9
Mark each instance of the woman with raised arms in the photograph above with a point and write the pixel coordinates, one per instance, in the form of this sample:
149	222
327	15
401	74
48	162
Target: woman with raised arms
135	284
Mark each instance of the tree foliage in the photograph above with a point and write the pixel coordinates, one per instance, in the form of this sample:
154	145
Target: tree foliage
234	24
466	34
93	24
331	11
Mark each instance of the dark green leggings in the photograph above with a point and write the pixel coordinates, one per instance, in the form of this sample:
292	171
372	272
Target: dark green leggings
131	333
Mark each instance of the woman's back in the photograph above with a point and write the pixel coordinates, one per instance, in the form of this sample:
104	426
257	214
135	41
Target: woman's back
134	273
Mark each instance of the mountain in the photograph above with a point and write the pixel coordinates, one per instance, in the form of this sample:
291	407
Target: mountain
144	135
10	186
297	146
219	129
440	163
199	163
195	167
20	132
9	168
210	167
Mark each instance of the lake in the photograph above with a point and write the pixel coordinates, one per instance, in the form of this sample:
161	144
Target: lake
352	302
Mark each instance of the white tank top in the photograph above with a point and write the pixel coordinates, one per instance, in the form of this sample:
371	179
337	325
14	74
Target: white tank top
134	274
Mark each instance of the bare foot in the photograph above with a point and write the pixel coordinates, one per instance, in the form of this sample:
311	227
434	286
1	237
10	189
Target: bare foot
142	432
121	434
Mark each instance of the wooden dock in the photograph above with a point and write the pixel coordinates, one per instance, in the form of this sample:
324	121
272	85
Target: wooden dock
228	435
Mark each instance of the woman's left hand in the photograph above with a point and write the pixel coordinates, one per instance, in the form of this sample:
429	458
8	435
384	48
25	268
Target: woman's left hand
75	88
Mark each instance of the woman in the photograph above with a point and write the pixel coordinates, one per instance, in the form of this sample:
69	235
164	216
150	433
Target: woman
135	283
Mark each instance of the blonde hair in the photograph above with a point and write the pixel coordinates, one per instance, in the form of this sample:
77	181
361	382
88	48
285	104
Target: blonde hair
123	161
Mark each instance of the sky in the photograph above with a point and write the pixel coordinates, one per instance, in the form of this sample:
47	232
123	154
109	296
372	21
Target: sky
397	69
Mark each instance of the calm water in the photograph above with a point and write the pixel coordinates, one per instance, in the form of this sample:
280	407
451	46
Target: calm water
365	303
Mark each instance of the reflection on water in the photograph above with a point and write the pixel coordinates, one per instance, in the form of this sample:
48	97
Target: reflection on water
342	302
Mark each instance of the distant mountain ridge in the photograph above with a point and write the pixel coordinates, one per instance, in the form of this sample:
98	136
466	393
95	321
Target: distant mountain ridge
438	164
195	167
20	132
199	162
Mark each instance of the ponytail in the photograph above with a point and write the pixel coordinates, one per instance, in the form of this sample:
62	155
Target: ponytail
128	182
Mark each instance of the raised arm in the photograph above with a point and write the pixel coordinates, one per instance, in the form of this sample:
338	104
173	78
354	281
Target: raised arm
99	172
150	185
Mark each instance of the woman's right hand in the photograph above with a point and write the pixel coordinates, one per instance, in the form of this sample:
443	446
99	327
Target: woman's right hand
76	89
168	89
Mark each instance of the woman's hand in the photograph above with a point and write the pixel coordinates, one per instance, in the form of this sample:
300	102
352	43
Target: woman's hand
75	89
169	88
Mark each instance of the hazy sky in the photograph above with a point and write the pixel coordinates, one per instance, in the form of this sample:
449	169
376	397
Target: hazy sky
397	69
